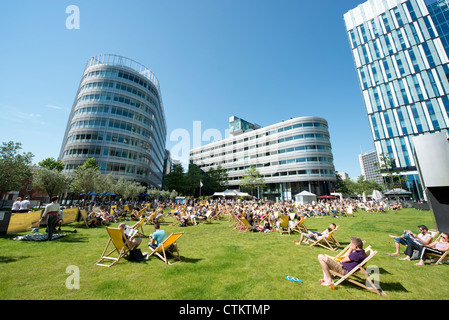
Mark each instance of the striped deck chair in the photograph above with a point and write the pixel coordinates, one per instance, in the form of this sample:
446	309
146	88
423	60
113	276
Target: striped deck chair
359	276
120	246
328	242
163	248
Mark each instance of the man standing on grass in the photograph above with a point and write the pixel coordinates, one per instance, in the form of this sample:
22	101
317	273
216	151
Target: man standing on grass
52	213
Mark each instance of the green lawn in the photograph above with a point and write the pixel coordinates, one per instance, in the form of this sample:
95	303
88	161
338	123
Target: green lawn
219	263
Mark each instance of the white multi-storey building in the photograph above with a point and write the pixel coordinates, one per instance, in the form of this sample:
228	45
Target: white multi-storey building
368	167
292	156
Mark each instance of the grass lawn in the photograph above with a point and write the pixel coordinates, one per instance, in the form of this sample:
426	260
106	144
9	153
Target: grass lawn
219	263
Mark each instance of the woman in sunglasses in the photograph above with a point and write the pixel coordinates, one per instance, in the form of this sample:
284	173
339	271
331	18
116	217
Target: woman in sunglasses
438	247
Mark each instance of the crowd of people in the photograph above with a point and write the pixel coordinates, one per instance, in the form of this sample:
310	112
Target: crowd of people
264	216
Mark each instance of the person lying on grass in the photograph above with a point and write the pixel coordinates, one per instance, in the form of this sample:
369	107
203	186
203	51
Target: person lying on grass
354	257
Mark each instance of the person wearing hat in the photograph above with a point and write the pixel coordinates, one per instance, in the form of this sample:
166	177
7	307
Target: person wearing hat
355	256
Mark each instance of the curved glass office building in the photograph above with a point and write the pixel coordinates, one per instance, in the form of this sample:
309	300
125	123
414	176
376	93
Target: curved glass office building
118	119
293	156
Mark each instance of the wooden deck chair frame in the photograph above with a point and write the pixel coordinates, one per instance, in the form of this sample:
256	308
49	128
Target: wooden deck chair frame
283	225
343	253
363	279
83	217
151	217
140	225
346	212
299	226
177	219
208	218
328	242
245	224
437	258
121	247
162	250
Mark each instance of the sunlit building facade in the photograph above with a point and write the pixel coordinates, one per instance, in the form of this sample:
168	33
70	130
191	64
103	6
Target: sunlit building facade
292	156
399	49
118	119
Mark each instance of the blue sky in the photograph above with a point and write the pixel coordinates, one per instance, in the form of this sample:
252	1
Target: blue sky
261	60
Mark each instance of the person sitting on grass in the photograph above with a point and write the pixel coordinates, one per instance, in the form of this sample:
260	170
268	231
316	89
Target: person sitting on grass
438	247
355	256
313	235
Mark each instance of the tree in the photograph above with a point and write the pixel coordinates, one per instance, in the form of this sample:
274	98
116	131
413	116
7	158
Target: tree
217	179
192	179
165	194
175	180
173	195
252	179
367	186
14	167
52	181
51	163
154	194
392	175
86	177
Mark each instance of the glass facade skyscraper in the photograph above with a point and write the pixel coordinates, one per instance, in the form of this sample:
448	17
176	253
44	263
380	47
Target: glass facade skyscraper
118	119
400	53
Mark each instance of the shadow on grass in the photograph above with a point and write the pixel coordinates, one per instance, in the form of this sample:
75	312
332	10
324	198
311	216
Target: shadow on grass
4	259
384	286
190	260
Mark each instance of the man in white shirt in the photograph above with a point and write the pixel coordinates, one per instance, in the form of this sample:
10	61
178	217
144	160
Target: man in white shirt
51	211
25	205
423	238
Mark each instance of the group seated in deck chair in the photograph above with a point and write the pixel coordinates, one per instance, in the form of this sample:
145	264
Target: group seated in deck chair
244	225
349	265
121	245
325	238
437	249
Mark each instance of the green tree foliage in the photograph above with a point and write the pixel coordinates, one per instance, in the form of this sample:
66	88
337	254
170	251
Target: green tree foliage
192	180
216	180
252	180
51	163
175	180
86	178
52	181
14	166
393	177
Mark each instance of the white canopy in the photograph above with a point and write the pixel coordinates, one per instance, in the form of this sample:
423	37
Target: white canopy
231	193
397	191
377	195
305	197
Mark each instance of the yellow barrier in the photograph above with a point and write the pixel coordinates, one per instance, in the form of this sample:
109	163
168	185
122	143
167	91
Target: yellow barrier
21	222
69	215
